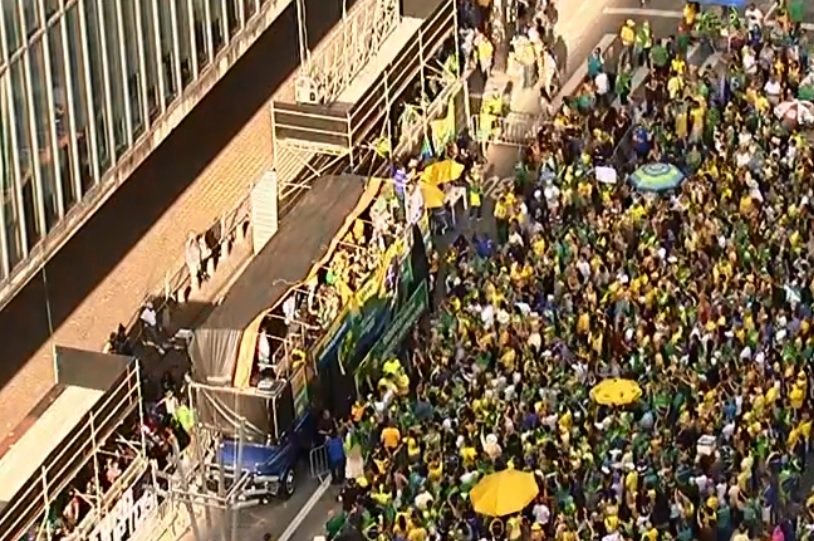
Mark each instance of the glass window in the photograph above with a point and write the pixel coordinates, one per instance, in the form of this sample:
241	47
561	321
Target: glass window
148	32
80	94
168	59
32	16
232	16
60	92
7	192
198	12
216	12
130	40
184	41
26	163
97	85
32	227
249	8
42	119
113	46
12	18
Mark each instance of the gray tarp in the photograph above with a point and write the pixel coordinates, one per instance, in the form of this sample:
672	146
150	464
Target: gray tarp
302	240
214	354
223	407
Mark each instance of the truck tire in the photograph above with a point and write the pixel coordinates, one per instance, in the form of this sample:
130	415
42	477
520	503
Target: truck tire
289	484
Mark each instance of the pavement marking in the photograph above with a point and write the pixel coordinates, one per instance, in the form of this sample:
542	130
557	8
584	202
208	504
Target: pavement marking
644	12
298	520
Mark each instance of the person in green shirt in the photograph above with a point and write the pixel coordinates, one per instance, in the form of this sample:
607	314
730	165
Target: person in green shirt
644	43
660	58
624	80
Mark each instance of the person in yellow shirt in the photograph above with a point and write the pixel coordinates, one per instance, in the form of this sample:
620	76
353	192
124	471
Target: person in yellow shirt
628	36
391	438
475	199
502	219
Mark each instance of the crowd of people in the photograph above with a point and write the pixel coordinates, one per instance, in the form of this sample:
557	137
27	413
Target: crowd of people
164	421
662	240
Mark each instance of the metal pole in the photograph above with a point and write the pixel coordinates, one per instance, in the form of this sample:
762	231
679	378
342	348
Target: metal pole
462	73
97	475
235	509
48	313
179	467
197	441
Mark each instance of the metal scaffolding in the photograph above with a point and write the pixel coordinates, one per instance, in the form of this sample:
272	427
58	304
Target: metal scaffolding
201	484
364	29
322	135
31	508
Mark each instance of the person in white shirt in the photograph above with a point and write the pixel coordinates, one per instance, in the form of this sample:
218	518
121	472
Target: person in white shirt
602	84
151	328
754	17
774	90
542	514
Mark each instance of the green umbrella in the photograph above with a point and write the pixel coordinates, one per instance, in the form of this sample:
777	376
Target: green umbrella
657	177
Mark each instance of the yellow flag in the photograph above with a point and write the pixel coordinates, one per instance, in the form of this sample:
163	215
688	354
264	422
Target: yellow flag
443	129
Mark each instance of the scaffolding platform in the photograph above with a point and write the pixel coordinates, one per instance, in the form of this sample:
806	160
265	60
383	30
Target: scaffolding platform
357	116
99	391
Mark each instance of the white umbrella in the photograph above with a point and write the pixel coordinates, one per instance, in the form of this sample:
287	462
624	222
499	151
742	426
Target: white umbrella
796	110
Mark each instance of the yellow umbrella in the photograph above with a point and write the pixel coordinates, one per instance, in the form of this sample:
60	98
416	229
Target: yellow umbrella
504	493
441	172
616	392
433	195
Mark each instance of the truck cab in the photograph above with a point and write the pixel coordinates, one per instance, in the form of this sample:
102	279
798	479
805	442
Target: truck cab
270	466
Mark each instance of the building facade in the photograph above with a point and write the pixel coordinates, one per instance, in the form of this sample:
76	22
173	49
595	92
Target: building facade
84	86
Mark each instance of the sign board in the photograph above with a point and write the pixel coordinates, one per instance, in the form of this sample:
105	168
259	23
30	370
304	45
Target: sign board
129	514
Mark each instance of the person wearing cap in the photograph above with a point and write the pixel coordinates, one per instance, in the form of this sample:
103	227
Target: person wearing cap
627	34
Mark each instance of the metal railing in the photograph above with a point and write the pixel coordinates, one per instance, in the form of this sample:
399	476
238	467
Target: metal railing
318	463
516	129
221	236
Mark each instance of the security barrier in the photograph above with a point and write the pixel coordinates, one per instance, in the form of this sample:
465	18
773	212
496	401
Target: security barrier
516	129
318	461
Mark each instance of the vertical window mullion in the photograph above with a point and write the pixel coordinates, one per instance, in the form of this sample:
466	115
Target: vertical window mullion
176	47
128	113
39	199
142	70
158	51
69	105
51	123
106	82
224	23
18	179
193	41
241	15
4	125
91	99
210	49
